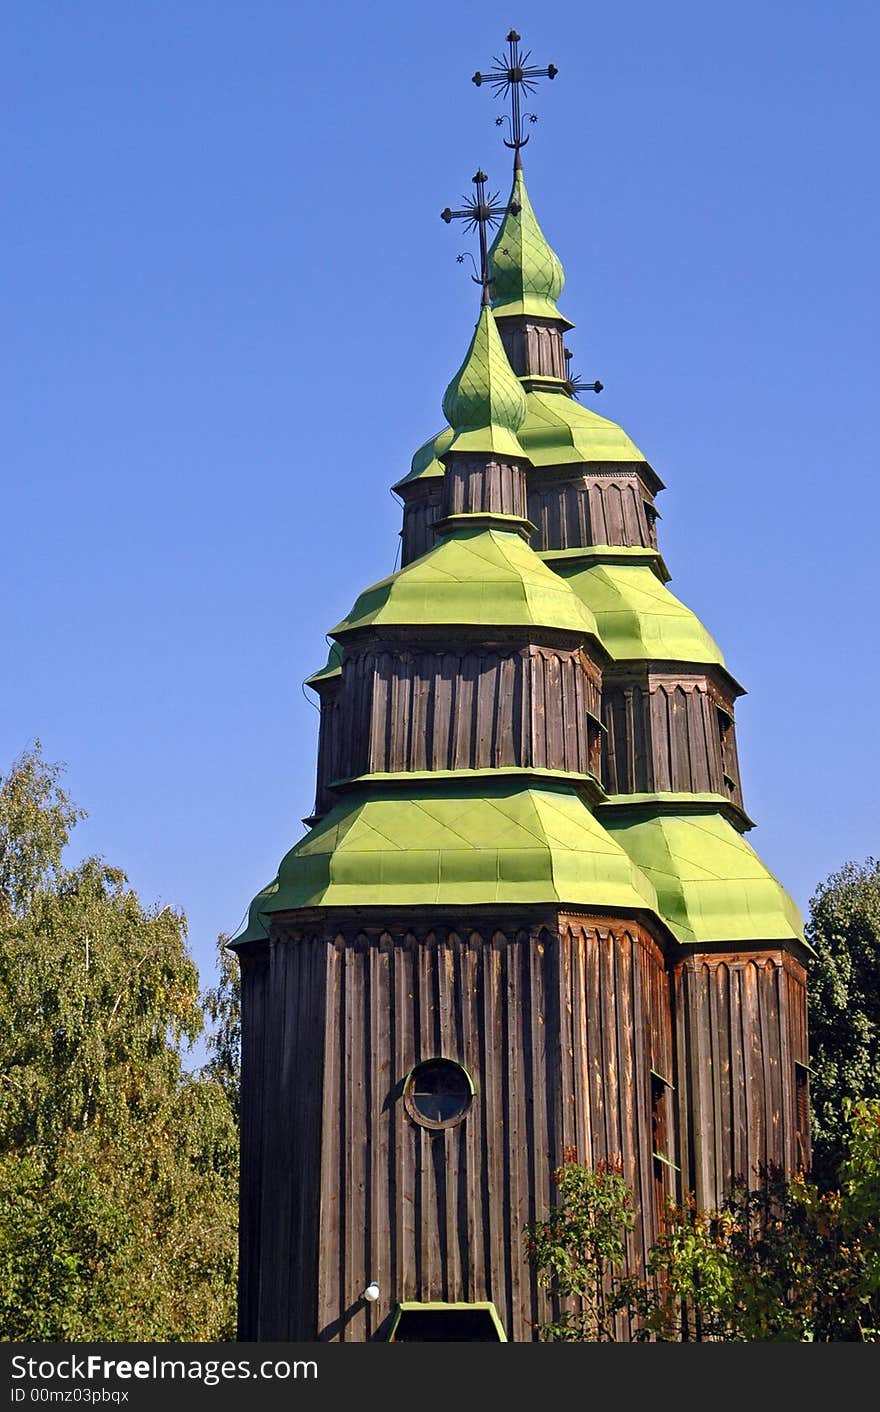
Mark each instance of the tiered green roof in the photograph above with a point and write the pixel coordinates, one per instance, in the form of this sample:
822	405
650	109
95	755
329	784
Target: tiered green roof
711	884
637	616
485	837
449	844
483	576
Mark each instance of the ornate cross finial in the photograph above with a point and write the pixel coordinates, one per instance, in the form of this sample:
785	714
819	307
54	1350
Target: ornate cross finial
509	74
480	212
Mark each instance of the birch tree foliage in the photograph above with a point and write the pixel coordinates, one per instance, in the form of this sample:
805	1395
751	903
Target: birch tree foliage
118	1168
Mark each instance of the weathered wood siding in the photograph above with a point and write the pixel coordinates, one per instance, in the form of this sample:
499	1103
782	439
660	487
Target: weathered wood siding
332	744
473	484
492	706
534	347
559	1024
740	1030
421	508
664	732
573	511
283	1033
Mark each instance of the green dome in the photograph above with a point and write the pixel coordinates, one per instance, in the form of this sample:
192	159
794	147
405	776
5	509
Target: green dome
484	402
711	884
638	618
478	576
455	844
527	276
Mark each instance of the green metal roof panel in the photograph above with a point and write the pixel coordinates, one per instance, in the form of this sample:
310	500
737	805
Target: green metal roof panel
638	618
456	845
558	431
484	403
482	576
331	668
527	275
609	554
711	885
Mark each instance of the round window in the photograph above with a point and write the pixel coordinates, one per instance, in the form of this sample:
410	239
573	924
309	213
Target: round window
438	1093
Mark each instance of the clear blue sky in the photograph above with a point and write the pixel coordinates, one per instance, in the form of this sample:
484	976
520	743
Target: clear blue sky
230	311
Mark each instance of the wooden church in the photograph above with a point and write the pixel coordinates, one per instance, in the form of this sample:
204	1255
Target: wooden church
525	916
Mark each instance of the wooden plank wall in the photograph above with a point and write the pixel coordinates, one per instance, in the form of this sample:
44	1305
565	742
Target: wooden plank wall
572	512
740	1027
486	707
533	349
421	509
662	733
473	484
283	1029
559	1032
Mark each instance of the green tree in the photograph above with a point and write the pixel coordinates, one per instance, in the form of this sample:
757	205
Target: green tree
782	1262
844	1005
223	1004
118	1169
579	1248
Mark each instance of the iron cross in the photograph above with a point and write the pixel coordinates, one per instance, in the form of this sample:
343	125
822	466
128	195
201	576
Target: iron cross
509	74
479	212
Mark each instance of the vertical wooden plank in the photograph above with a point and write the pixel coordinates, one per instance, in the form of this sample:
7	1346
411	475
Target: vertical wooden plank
718	980
406	1218
643	1024
537	1144
333	1116
515	1131
428	1231
448	1143
493	1125
474	1265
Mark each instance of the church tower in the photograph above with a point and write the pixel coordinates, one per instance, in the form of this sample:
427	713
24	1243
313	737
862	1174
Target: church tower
524	917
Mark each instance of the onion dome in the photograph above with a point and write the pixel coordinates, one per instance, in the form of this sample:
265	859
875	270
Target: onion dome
527	275
484	402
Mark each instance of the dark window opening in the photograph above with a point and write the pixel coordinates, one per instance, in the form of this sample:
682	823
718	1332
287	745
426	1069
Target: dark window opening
476	1323
438	1093
802	1114
664	1167
595	737
728	754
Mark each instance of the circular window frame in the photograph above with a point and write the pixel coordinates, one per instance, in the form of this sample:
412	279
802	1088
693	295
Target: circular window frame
436	1125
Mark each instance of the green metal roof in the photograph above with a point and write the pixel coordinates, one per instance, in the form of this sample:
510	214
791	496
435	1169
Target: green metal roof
484	402
455	845
527	275
477	576
711	885
557	431
637	615
608	554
